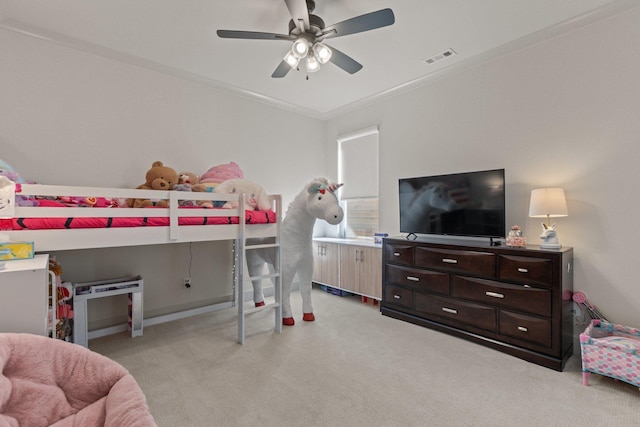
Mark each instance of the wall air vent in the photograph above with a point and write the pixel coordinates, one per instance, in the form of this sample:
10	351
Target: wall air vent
439	57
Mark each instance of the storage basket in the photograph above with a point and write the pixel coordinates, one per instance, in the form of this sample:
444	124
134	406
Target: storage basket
611	350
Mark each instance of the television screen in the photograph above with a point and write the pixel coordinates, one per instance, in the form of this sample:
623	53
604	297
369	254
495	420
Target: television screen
460	204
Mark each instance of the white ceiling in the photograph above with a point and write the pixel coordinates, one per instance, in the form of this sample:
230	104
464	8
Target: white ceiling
179	37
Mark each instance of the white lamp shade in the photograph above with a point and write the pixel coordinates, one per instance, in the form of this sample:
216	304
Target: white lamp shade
291	59
301	47
548	203
312	64
322	53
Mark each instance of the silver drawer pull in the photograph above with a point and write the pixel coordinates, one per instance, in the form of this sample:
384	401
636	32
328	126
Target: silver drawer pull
397	296
523	329
449	310
413	279
450	260
527	286
396	254
494	294
523	270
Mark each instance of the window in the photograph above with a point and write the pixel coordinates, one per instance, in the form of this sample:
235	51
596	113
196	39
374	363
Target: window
358	169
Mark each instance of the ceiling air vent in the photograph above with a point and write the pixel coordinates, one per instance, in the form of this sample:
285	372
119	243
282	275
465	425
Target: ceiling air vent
439	57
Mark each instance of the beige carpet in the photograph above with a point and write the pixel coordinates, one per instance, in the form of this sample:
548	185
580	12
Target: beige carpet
352	367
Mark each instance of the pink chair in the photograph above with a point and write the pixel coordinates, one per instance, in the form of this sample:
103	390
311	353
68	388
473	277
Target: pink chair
48	382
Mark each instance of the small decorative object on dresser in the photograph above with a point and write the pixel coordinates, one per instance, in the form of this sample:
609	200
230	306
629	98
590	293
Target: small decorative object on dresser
515	237
515	300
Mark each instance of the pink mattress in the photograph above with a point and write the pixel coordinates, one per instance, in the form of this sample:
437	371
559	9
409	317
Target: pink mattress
252	217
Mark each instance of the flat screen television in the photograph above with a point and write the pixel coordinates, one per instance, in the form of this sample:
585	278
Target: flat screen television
461	204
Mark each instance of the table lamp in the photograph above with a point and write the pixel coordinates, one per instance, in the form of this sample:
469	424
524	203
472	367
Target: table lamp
549	203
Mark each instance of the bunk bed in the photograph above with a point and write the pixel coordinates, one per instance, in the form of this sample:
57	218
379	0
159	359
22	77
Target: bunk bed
46	216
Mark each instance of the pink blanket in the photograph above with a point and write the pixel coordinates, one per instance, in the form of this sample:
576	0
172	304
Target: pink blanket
47	382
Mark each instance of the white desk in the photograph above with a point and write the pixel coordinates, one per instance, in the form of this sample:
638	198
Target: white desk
24	295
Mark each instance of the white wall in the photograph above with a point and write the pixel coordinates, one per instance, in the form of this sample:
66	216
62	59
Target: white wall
562	113
68	117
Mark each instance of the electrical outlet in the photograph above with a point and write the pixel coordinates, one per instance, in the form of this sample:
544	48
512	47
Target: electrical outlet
187	282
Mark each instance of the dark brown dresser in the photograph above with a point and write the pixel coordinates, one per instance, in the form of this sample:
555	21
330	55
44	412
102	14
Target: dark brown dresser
515	300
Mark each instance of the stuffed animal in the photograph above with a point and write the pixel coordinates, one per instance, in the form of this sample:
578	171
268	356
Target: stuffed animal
220	173
193	181
158	177
255	195
7	197
7	171
184	187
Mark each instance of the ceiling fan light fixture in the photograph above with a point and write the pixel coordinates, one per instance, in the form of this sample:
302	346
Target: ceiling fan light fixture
291	59
322	53
301	47
313	64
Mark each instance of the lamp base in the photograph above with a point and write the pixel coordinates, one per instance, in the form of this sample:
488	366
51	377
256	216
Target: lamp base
550	245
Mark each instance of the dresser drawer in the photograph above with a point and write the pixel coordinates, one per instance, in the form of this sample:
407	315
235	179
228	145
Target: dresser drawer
432	281
518	297
479	316
473	262
525	269
394	295
525	328
399	254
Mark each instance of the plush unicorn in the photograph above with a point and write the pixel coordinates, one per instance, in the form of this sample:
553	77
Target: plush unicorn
317	200
549	237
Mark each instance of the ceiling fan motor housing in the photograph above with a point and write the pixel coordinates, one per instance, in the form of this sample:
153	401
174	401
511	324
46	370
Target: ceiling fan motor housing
315	22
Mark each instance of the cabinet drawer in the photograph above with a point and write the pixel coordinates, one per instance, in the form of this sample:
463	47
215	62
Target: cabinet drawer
526	328
525	269
421	279
519	297
399	254
402	297
475	262
479	316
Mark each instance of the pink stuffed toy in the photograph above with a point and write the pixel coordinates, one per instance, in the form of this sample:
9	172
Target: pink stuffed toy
220	173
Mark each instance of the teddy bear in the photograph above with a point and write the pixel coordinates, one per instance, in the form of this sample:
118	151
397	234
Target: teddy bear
158	177
193	180
256	198
189	181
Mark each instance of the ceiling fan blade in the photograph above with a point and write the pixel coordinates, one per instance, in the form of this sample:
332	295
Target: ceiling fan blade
253	35
299	12
366	22
344	61
281	70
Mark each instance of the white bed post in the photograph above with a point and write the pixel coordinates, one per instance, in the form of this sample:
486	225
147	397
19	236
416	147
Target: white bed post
278	265
239	255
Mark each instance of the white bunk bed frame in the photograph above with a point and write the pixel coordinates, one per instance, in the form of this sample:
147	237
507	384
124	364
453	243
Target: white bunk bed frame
91	238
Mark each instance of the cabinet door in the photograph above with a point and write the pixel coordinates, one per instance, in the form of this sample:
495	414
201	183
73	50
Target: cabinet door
349	267
317	262
361	270
326	263
370	272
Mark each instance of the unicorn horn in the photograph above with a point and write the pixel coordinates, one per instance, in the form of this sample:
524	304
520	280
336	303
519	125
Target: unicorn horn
333	187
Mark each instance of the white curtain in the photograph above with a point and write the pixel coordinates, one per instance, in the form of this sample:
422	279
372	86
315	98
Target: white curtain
358	164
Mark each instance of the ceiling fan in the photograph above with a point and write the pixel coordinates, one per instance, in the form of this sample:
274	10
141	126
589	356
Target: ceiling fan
308	32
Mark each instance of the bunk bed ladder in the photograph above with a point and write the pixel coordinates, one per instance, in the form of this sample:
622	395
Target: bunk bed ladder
241	245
